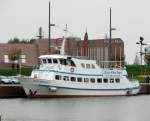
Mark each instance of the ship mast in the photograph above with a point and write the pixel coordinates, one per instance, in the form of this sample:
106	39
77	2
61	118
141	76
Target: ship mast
109	53
62	50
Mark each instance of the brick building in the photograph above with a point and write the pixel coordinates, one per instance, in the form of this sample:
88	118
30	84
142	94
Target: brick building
96	49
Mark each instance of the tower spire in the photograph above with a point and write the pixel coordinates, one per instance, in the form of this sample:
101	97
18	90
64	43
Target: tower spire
84	44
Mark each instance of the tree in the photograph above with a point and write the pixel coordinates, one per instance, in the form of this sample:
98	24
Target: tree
15	40
13	55
147	59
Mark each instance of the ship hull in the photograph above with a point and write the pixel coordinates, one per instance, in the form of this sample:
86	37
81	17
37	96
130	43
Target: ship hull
51	90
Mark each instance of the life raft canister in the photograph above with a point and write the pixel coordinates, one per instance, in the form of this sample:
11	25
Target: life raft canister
71	69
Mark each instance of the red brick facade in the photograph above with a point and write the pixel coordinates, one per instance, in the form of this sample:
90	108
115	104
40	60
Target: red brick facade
96	49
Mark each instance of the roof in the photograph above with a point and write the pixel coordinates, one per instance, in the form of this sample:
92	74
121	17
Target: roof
54	56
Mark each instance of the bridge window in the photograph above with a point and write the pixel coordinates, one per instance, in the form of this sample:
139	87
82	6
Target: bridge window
83	65
70	63
63	61
88	66
55	61
93	67
44	61
49	60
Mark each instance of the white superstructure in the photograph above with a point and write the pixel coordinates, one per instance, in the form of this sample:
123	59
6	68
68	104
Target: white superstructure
65	76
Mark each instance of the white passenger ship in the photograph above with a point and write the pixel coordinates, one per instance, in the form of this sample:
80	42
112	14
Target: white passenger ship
66	76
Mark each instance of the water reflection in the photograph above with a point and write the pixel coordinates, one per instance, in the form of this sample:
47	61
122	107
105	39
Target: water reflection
134	108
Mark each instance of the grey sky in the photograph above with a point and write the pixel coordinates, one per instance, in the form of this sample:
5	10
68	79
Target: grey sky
22	18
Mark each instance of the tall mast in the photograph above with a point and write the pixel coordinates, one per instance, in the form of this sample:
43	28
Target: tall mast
109	53
49	33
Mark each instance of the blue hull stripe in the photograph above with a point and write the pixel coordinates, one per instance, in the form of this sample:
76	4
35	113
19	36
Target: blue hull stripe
119	89
68	72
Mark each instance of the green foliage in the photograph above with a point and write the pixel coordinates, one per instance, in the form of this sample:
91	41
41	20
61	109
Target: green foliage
13	72
17	40
138	72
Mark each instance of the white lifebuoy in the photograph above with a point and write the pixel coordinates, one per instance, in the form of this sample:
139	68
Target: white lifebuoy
71	69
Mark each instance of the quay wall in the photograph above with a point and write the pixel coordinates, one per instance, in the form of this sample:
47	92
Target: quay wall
145	88
11	91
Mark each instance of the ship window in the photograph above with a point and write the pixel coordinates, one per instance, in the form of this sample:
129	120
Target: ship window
111	80
117	80
63	61
83	65
92	80
73	79
66	78
44	61
93	67
88	66
86	79
70	63
99	80
55	61
105	80
79	79
49	60
57	77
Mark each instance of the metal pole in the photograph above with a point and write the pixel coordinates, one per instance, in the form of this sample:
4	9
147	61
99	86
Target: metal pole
141	53
49	33
109	54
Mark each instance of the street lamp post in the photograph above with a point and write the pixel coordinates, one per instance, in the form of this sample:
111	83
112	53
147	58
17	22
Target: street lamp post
141	44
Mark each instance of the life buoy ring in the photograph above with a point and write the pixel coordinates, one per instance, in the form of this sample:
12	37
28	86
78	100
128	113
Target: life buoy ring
71	69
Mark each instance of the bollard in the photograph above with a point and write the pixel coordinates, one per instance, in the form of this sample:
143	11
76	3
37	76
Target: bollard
0	117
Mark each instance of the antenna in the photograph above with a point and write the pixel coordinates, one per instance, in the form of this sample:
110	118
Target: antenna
40	33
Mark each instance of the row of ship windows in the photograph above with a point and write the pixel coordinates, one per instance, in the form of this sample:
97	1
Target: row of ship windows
58	61
88	66
92	80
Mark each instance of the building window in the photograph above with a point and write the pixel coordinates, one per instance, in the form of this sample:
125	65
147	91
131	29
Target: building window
23	58
6	59
99	80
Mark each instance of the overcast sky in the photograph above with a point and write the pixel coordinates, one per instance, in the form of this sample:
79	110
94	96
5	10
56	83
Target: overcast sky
131	18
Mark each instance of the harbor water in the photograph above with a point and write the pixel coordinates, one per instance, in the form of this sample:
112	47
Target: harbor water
121	108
